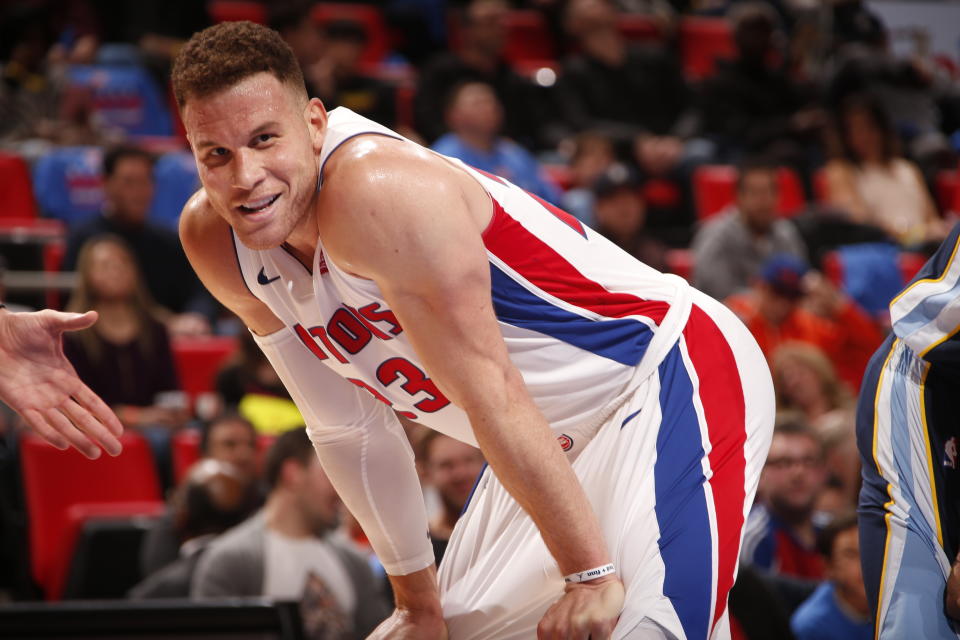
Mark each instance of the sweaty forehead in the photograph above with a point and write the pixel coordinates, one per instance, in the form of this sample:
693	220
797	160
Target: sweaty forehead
238	110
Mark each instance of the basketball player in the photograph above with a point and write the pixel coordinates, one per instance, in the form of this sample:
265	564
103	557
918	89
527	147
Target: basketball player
38	382
625	416
907	433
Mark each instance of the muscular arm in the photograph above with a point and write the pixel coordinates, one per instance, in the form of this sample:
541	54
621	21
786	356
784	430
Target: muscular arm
360	443
427	256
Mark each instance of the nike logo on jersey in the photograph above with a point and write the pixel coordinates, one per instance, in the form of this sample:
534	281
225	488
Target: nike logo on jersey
264	280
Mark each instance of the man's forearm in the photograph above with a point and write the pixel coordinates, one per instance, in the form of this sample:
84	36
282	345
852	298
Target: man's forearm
528	461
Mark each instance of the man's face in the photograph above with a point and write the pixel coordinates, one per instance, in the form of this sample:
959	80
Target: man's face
487	27
757	200
129	190
623	212
257	146
234	442
306	41
317	499
844	569
476	110
774	306
453	467
793	476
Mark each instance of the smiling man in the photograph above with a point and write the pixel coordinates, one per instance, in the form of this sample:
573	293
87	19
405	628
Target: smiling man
625	416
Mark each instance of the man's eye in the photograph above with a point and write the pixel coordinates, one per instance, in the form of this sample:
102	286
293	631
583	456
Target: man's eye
219	151
263	137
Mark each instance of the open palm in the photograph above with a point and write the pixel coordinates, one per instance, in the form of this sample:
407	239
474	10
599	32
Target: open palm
40	384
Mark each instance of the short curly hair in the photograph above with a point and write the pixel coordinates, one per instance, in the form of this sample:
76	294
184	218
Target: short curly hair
220	56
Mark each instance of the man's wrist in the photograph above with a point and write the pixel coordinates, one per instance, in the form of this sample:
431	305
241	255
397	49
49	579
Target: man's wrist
417	592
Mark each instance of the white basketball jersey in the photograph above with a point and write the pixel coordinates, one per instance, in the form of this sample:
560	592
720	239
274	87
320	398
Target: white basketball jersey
583	321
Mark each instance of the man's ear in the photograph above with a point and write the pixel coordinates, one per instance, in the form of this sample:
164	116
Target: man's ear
315	115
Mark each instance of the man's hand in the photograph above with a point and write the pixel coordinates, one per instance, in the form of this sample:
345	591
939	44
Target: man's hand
405	624
586	610
418	615
40	384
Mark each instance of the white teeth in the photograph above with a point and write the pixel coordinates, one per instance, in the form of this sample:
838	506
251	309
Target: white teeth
256	205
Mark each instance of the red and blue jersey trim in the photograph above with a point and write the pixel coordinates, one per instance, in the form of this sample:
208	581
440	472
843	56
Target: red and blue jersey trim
615	325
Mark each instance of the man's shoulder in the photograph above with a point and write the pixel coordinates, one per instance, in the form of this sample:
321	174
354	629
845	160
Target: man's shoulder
721	227
239	541
366	167
204	231
95	224
814	612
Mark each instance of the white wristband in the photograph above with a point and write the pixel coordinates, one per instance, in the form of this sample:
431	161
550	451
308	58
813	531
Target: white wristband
590	574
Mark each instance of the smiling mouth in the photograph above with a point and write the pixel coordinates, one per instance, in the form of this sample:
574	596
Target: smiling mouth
258	205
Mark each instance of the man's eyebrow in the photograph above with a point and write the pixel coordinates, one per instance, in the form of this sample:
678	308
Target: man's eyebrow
266	126
263	127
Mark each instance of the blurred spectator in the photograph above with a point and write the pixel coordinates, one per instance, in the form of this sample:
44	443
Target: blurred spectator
635	95
474	117
593	153
730	249
452	468
805	381
838	434
757	612
28	96
479	57
339	81
293	22
873	183
751	105
780	533
214	497
228	439
786	303
838	609
285	551
920	104
125	358
249	385
128	186
231	438
620	213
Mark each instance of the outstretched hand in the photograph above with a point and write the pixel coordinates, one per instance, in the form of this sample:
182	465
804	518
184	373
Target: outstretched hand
586	610
40	384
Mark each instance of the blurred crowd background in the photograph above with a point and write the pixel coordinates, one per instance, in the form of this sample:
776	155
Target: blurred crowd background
796	159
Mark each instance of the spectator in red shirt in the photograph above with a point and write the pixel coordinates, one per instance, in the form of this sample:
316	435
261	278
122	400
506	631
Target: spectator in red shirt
791	303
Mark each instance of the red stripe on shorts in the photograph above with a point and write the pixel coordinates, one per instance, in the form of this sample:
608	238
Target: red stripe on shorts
721	393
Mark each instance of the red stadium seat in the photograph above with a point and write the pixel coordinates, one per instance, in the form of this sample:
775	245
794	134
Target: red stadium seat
559	174
16	188
264	442
820	189
370	18
57	482
715	188
528	38
955	205
186	451
235	10
639	28
702	42
680	262
198	360
910	264
529	43
947	186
